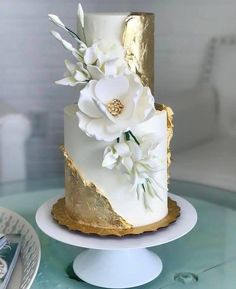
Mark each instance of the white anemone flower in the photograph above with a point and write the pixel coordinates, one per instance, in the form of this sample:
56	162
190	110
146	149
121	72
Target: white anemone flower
113	105
76	74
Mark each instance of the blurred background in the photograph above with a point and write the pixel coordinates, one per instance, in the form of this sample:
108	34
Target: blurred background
195	74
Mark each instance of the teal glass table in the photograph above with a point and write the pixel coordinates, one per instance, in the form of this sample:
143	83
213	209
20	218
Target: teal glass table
203	259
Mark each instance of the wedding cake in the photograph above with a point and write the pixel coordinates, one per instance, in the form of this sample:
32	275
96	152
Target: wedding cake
116	140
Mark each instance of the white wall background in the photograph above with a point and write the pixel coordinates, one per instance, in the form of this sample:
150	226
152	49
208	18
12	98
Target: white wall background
31	59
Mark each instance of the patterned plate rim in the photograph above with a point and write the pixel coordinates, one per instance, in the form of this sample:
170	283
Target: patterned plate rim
25	282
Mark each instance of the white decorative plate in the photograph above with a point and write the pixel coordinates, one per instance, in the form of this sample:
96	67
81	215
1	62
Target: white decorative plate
28	263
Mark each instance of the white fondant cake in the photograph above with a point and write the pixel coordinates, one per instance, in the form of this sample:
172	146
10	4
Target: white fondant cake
115	141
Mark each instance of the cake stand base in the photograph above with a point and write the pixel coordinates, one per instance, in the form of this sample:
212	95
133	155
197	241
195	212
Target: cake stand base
117	268
113	262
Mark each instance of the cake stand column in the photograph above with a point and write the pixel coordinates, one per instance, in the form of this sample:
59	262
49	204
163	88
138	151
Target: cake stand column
117	268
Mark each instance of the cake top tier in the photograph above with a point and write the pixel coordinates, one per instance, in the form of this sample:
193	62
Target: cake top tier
109	44
103	27
132	31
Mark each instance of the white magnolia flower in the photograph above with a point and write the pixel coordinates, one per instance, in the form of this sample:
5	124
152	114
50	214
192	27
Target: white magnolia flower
113	105
76	74
140	162
105	58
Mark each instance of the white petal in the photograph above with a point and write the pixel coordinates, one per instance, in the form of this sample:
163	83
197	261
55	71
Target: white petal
79	76
77	55
65	43
122	149
81	14
96	128
56	20
86	103
70	66
95	72
90	56
110	68
117	127
145	107
108	89
127	163
135	149
81	68
83	122
56	35
110	158
67	81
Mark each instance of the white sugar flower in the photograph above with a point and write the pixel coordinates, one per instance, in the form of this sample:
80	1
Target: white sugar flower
105	58
137	159
114	155
76	74
113	105
140	162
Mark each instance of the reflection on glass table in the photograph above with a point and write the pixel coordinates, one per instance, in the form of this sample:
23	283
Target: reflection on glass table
203	259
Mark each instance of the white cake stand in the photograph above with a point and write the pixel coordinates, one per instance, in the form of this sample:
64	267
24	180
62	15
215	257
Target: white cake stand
113	262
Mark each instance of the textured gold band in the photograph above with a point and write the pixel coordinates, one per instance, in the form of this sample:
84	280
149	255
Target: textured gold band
138	41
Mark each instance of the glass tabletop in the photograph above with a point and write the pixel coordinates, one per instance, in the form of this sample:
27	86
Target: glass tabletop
203	259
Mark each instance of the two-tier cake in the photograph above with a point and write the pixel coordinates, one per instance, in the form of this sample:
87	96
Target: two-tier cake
116	141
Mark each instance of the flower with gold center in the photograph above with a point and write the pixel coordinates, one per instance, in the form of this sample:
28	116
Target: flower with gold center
113	105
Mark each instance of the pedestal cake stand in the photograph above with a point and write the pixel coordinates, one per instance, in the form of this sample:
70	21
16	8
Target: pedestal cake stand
113	262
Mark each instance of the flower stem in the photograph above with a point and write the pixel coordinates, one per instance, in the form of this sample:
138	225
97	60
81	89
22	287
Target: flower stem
73	33
127	136
143	187
134	137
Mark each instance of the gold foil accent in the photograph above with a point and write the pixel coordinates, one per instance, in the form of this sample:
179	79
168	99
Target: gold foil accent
138	41
84	202
170	126
60	214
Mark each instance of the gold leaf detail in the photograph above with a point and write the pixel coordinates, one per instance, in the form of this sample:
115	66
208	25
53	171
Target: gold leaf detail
138	42
170	127
85	203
